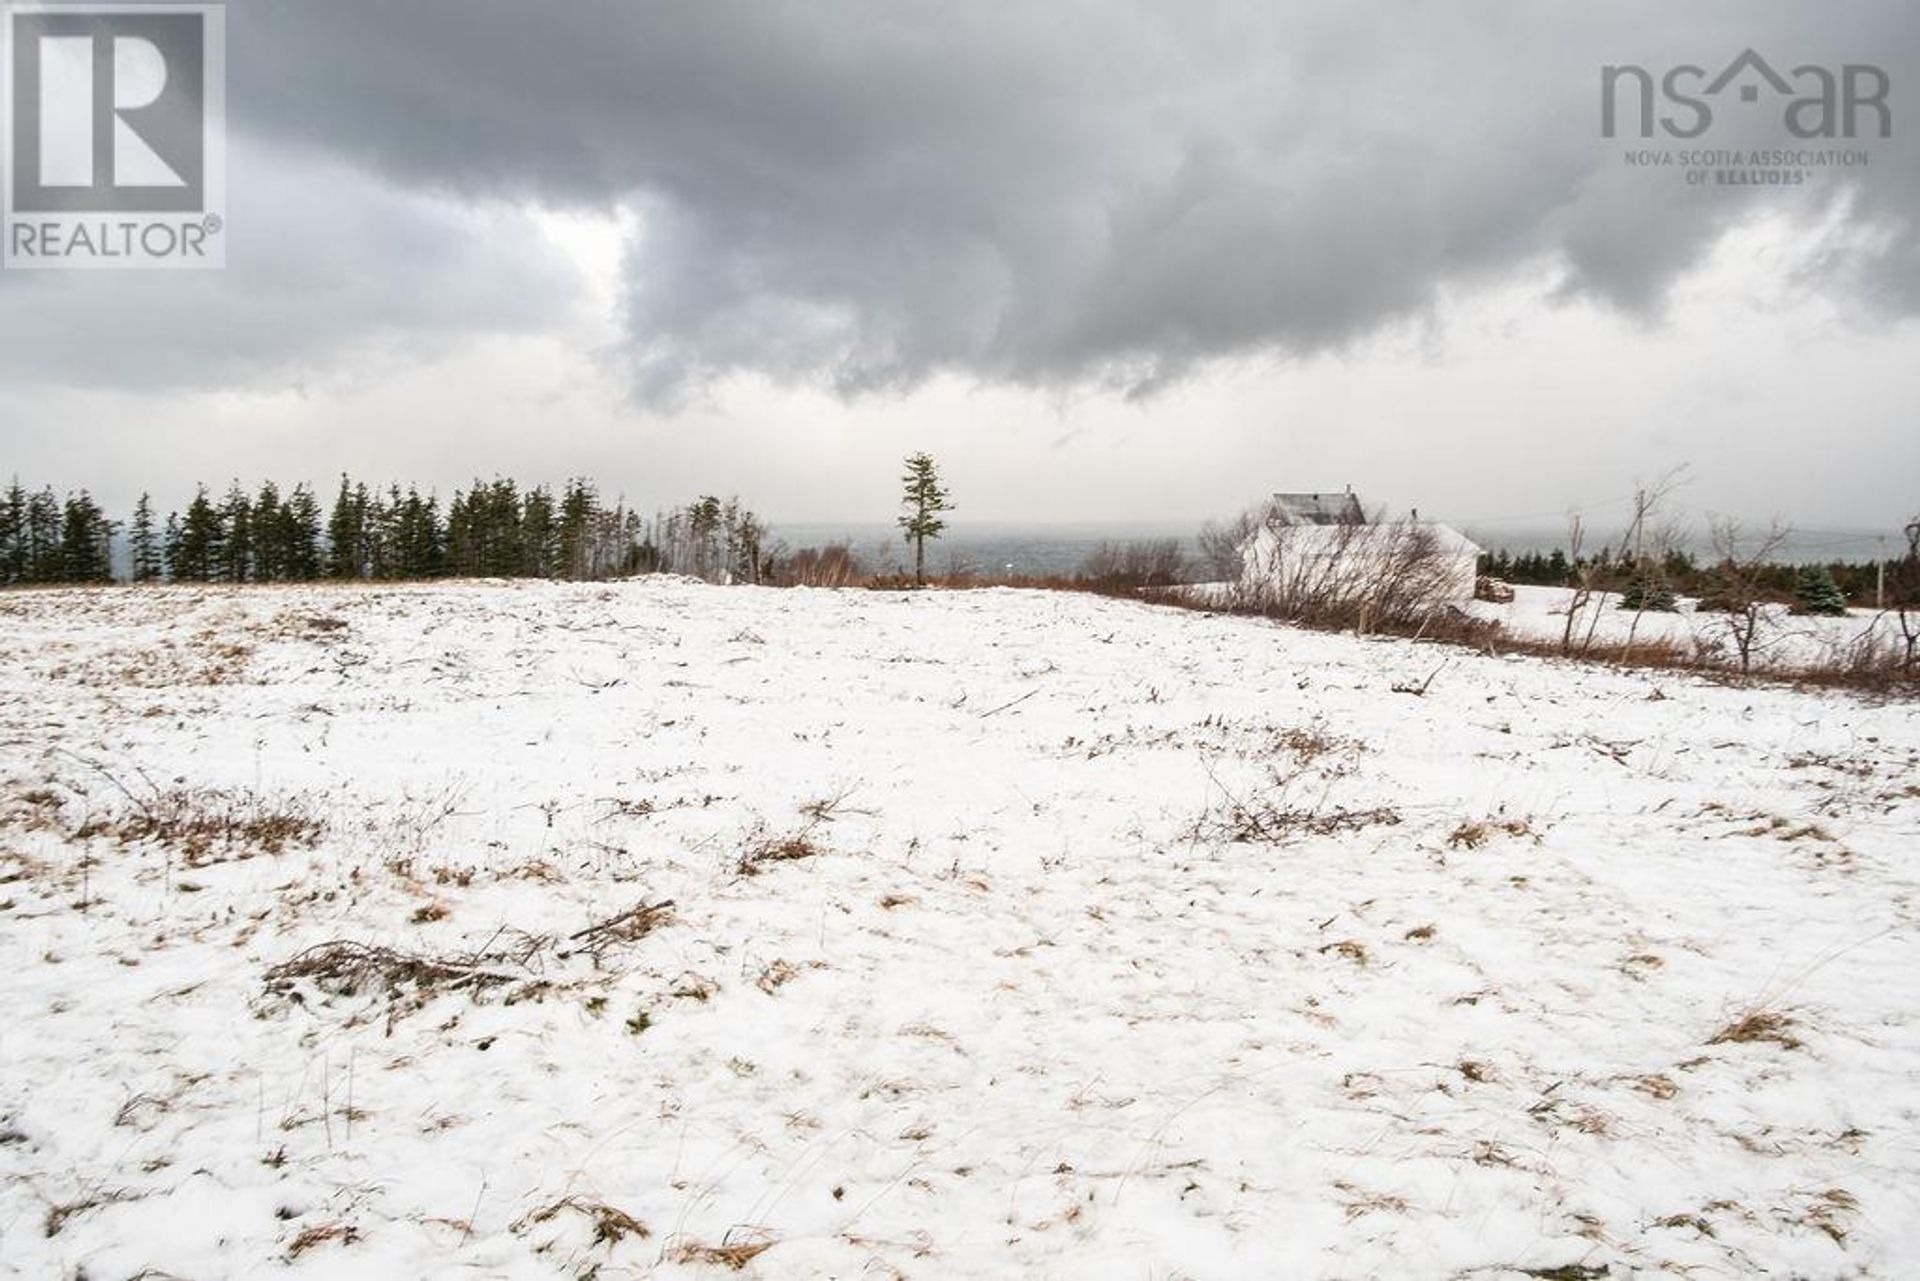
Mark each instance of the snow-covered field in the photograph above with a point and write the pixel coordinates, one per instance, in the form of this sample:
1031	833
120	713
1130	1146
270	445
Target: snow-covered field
1782	639
654	929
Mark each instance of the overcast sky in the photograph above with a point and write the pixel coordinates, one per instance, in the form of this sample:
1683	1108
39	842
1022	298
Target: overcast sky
1105	260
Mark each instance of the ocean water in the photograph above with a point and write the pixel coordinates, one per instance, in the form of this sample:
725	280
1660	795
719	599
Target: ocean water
1048	549
986	547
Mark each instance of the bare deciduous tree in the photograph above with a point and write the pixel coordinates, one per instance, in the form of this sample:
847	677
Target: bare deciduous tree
1737	587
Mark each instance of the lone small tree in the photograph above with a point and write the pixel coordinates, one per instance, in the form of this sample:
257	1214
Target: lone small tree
1815	592
924	498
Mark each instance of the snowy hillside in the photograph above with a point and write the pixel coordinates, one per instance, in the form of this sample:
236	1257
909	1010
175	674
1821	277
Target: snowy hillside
654	929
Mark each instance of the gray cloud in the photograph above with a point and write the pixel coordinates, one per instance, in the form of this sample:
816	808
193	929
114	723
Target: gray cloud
862	193
325	258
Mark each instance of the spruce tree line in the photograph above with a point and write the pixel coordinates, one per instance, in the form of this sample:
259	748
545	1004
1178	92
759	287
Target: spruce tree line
47	539
491	529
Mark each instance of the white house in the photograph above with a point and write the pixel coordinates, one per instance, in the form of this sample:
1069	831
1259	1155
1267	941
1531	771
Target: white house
1334	549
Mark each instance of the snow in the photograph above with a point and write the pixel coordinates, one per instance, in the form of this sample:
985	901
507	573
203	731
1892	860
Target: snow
1783	639
1019	1005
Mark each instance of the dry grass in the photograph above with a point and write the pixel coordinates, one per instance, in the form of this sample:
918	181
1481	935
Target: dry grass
733	1255
779	973
1473	833
611	1225
1826	1211
1348	949
1758	1025
1268	822
57	1215
764	849
320	1234
208	825
629	926
345	967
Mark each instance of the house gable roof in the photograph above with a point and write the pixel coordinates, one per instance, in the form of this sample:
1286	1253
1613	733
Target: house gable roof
1319	509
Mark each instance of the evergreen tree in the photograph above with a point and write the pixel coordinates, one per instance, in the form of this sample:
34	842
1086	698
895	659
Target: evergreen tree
144	543
1648	589
924	499
236	550
346	532
199	551
539	535
268	535
577	510
86	541
703	535
419	552
1815	592
170	546
42	538
300	535
13	534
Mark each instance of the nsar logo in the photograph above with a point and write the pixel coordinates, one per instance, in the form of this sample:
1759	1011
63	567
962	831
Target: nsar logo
1821	103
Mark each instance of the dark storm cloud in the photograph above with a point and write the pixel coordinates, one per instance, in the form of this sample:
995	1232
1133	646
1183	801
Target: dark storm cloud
865	192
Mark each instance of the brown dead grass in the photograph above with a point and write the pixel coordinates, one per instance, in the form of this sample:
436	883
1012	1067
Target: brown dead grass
1473	833
765	850
320	1234
345	967
611	1225
208	825
1758	1025
733	1255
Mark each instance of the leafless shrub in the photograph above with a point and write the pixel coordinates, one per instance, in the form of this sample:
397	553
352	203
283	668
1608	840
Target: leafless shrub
1127	567
1221	544
833	565
1365	577
1905	600
1745	625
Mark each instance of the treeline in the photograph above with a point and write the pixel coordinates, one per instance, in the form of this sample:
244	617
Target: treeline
47	539
1682	572
491	529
